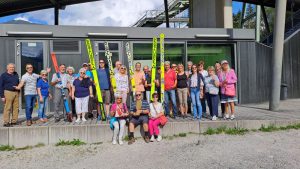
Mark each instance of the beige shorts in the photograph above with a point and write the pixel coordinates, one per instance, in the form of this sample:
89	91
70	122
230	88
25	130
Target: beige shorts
106	96
182	95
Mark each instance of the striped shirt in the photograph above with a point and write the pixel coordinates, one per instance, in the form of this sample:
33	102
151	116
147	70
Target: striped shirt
145	106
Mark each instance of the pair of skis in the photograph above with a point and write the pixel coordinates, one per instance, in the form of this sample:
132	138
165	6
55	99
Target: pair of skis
162	68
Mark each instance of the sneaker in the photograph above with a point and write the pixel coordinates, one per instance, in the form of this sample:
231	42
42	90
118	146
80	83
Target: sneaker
131	141
6	125
214	118
226	116
232	117
159	138
78	120
152	139
147	140
114	142
28	123
121	142
57	120
83	119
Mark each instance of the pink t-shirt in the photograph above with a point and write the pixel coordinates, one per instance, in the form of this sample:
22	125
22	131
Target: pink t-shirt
139	78
118	109
170	78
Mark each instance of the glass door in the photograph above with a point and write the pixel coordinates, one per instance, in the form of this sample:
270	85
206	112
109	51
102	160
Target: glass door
33	52
114	47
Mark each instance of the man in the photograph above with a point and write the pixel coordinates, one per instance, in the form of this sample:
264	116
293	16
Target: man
139	110
118	65
170	86
104	82
175	68
87	67
29	80
58	97
147	82
139	78
10	95
189	67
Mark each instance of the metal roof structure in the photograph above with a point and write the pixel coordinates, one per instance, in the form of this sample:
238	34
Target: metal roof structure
271	3
10	7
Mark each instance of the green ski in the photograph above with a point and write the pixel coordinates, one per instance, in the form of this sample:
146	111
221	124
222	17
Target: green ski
153	69
95	75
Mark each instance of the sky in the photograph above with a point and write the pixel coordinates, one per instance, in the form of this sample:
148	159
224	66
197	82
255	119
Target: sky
99	13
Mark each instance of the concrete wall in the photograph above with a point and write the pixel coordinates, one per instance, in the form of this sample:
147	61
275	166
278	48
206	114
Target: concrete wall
26	136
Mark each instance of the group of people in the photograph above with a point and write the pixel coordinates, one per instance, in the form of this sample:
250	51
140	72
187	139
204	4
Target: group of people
194	86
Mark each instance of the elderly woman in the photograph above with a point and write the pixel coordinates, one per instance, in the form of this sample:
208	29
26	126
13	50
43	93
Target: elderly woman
182	90
43	95
71	76
218	70
122	83
119	113
228	81
156	110
81	91
212	91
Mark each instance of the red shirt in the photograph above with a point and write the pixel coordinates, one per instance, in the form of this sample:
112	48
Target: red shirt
170	78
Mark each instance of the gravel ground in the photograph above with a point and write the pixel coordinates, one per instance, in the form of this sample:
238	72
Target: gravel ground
256	150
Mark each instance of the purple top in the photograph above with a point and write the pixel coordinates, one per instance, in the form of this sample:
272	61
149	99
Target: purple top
82	87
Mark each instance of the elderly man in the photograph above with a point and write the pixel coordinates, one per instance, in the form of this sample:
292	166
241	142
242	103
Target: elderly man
139	110
29	81
139	78
58	97
10	95
170	86
118	65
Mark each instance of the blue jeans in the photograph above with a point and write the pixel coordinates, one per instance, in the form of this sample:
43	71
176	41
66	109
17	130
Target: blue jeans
197	108
213	103
42	107
170	94
30	101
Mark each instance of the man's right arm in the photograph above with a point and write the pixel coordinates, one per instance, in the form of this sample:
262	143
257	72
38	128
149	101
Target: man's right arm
1	86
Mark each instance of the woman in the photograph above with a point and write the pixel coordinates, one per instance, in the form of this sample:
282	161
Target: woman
119	112
81	91
71	76
218	69
228	80
43	93
182	90
122	85
156	110
204	74
195	81
212	89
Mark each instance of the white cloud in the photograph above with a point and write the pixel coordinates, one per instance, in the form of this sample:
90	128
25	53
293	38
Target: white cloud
22	18
100	13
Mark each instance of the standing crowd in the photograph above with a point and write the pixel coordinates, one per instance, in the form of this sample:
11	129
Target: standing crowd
186	90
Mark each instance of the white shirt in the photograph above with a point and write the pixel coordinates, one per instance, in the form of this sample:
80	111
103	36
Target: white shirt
158	107
30	81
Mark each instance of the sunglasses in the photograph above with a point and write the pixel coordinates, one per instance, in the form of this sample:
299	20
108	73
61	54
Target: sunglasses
82	73
155	97
123	68
101	62
120	98
194	67
44	74
29	67
138	94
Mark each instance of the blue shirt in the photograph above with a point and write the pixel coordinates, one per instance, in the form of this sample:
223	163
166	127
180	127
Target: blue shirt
104	79
7	81
82	87
44	87
89	74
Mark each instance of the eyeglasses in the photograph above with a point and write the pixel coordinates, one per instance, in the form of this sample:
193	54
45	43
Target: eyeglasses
29	67
44	74
155	97
120	98
123	68
194	67
138	94
82	73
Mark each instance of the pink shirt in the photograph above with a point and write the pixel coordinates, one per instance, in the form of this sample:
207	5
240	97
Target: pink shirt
231	78
139	78
170	78
119	110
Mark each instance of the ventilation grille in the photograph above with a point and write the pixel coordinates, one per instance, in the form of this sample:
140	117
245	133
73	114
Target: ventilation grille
66	46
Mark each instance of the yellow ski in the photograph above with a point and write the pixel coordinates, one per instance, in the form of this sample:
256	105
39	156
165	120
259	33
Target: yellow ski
108	55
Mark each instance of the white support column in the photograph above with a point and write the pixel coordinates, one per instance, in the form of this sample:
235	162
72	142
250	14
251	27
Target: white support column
258	20
228	18
277	54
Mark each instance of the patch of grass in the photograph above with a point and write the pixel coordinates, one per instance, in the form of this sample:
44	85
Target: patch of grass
97	143
24	148
272	128
225	130
254	130
6	148
74	142
39	145
126	138
182	134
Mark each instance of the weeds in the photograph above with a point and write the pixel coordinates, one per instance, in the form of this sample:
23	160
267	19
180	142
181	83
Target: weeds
6	148
74	142
272	128
225	130
182	134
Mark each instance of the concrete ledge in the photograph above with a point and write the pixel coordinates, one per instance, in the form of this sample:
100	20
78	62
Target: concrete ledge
30	136
25	136
57	133
4	136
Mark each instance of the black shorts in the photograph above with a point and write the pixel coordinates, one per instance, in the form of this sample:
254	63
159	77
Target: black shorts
139	120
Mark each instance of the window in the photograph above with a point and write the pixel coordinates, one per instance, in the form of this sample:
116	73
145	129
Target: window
66	46
113	48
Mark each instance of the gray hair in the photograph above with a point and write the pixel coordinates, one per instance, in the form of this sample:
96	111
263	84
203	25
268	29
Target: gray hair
117	94
167	62
43	72
71	68
10	64
190	63
82	70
